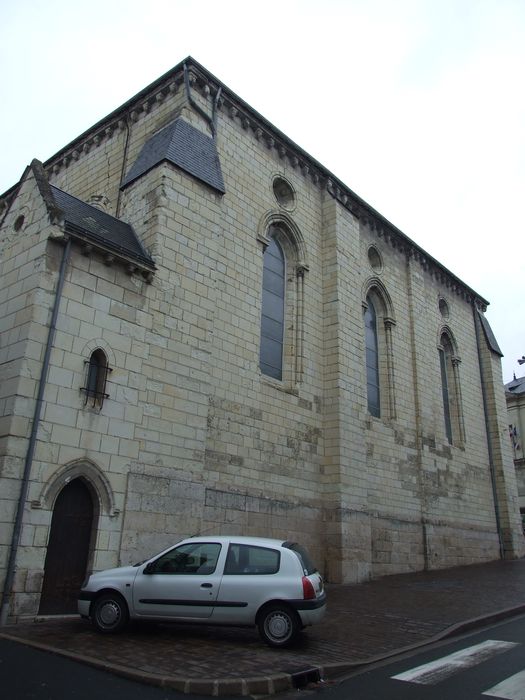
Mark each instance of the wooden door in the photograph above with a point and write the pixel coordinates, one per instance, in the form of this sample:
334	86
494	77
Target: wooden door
67	550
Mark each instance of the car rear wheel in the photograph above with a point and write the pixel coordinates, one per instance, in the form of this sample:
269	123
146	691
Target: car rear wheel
278	625
110	613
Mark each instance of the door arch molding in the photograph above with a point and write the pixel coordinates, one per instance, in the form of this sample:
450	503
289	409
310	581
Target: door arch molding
92	475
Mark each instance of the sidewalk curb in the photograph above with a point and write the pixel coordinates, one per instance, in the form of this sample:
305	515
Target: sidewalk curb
333	670
264	685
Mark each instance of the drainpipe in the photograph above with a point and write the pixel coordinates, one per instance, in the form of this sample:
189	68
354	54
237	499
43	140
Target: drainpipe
214	113
487	430
127	121
209	120
17	529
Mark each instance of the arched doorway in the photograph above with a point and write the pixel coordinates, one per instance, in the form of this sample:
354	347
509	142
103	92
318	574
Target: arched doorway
67	550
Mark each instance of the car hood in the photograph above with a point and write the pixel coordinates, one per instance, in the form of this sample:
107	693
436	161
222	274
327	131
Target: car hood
128	572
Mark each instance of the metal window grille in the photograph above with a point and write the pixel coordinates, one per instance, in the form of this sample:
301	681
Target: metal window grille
97	370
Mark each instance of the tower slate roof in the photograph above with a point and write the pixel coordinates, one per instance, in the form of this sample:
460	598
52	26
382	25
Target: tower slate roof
489	334
184	146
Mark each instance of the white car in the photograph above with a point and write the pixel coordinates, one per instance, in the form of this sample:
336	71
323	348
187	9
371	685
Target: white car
225	580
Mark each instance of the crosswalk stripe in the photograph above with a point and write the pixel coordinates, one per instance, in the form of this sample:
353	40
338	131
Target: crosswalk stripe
438	670
513	688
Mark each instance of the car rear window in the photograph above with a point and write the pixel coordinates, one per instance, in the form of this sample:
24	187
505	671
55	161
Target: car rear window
302	553
248	559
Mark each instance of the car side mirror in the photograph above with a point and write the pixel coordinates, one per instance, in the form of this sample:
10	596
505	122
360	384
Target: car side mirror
149	568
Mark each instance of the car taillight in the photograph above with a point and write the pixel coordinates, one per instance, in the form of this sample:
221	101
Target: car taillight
308	589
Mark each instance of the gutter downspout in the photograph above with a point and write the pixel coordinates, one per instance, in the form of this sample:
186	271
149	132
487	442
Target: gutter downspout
210	121
214	112
487	430
124	163
17	529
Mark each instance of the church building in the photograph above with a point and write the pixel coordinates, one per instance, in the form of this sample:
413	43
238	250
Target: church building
204	331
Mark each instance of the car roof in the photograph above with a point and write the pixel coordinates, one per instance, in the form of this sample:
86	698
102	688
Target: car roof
240	539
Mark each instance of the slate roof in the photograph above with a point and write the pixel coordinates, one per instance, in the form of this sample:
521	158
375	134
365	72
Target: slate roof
516	386
184	146
100	228
489	334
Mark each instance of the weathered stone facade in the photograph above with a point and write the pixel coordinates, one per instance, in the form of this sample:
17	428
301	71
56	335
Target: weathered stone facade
515	396
192	436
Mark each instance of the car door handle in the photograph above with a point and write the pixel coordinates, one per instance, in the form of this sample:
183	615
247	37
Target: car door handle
206	585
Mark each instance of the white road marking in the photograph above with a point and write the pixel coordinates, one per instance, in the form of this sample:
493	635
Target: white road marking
436	671
513	688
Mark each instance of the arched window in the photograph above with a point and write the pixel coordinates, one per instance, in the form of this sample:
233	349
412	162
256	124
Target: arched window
445	362
372	360
96	375
282	327
273	311
378	319
451	391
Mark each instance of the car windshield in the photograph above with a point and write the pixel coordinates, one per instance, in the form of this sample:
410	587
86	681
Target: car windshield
307	564
190	558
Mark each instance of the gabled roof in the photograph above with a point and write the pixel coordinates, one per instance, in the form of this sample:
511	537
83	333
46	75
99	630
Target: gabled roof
92	226
183	145
97	227
516	386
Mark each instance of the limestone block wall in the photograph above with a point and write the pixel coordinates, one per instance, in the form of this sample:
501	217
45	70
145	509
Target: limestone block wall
263	440
26	293
268	441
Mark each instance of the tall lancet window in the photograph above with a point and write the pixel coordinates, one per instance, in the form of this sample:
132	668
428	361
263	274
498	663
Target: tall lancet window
449	363
273	308
372	360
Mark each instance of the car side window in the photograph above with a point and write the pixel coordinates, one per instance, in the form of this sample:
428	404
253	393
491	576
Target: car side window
248	560
199	558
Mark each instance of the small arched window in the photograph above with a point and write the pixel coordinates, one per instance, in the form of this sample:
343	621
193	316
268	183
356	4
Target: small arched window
96	377
372	360
273	310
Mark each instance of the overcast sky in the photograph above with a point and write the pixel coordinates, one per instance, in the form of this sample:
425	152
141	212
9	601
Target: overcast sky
416	105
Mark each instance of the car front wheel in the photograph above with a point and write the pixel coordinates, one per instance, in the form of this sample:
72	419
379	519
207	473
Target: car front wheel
110	613
278	625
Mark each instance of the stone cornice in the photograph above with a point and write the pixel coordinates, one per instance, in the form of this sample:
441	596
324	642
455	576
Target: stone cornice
213	92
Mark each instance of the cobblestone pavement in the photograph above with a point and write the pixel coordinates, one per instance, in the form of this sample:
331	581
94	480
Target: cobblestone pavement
364	622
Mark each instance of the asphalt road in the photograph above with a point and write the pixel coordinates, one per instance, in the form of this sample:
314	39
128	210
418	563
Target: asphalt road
490	663
31	674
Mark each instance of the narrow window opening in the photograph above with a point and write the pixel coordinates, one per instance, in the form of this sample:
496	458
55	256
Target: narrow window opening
372	360
96	377
273	309
446	393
